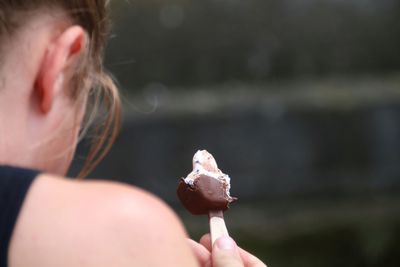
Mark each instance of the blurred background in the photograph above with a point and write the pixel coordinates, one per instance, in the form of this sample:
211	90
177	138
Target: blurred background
298	100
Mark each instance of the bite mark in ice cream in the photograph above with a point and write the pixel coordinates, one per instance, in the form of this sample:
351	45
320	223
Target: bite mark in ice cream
206	188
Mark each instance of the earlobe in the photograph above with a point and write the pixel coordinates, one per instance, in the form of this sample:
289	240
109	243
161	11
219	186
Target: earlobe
62	53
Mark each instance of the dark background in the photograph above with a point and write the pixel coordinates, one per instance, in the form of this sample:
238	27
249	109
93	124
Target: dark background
299	102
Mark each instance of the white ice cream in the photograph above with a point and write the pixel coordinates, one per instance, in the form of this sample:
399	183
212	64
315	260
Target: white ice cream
205	164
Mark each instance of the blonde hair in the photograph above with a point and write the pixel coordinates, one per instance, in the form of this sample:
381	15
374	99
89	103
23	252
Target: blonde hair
103	93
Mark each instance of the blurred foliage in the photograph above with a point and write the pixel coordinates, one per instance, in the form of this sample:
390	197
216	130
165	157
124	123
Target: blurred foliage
186	42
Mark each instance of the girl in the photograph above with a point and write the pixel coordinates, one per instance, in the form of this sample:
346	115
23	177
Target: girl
51	82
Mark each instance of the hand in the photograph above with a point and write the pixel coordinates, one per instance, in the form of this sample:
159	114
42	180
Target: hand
225	253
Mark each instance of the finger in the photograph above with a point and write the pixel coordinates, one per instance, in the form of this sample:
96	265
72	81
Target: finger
205	240
250	260
203	256
226	253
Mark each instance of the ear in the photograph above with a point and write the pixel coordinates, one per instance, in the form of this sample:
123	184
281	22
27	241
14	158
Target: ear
61	53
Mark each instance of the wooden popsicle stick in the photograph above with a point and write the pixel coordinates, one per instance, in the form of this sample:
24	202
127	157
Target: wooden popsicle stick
217	225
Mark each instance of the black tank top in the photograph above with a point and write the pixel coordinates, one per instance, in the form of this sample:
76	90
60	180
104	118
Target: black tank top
14	184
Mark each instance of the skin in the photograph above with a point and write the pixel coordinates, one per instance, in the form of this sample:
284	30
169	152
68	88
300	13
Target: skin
65	222
225	252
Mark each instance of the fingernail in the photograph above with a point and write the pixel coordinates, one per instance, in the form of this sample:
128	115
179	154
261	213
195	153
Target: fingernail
225	243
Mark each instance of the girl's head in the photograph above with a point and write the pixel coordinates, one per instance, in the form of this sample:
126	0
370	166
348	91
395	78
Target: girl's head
52	81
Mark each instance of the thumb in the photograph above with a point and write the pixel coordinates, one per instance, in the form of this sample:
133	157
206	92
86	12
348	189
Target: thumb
225	253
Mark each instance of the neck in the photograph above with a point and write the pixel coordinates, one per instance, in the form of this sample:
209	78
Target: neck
13	131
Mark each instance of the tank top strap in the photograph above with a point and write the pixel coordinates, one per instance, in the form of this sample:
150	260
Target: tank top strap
14	185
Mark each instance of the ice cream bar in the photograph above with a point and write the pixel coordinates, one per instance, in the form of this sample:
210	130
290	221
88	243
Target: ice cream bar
206	188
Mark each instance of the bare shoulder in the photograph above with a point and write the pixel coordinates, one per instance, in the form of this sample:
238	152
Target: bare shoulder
96	223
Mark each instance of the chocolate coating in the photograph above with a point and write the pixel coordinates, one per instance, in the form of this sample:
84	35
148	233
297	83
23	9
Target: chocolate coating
206	194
